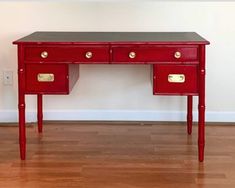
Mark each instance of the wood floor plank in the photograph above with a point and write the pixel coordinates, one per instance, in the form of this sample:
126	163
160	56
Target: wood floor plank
117	155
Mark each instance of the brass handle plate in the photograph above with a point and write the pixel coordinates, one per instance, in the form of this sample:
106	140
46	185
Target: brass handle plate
177	55
132	55
44	54
89	55
176	78
45	77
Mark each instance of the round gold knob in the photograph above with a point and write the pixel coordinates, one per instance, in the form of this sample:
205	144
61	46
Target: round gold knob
89	55
177	55
44	54
132	55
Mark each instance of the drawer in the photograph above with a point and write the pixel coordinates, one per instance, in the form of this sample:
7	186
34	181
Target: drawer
175	79
79	54
50	78
144	54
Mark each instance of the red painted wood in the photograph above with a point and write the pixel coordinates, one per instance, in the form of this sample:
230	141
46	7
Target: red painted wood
162	86
21	100
61	85
189	114
40	112
66	50
201	106
153	53
67	53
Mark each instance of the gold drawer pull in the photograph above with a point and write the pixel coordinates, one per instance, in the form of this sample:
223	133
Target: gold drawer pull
177	55
44	54
176	78
89	55
46	77
132	55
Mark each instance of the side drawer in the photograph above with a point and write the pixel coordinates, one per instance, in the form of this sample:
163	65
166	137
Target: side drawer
50	78
148	53
79	54
175	79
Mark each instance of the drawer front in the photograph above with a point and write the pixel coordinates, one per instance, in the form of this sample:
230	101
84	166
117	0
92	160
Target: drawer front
47	78
175	79
154	54
79	54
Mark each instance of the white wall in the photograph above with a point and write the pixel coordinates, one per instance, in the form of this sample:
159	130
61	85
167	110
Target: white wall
122	92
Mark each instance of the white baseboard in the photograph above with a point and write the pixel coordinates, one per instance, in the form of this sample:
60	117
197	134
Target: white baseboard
115	115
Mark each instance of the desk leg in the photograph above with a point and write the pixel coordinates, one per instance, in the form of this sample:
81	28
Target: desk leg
189	114
21	103
22	135
201	129
40	113
201	106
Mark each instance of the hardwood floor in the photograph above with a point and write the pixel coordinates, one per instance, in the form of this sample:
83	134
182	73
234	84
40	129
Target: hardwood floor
117	155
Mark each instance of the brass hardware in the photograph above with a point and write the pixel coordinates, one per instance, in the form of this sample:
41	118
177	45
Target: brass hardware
177	55
44	54
46	77
89	55
176	78
132	55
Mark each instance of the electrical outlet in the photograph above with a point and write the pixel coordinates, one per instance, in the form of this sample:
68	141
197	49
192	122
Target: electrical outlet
7	77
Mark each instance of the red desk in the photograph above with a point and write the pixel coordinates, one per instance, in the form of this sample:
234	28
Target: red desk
48	63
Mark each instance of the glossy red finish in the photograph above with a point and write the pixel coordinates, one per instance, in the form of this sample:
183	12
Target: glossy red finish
62	83
153	53
21	100
201	105
40	112
189	114
162	86
66	50
67	53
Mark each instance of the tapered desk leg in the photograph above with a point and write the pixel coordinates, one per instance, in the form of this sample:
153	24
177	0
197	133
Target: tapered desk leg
189	114
201	129
21	103
40	113
22	135
201	106
21	106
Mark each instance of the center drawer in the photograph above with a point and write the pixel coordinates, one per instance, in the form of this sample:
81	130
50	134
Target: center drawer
50	78
79	54
144	54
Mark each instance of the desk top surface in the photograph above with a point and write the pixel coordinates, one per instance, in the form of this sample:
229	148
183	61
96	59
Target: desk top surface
112	37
